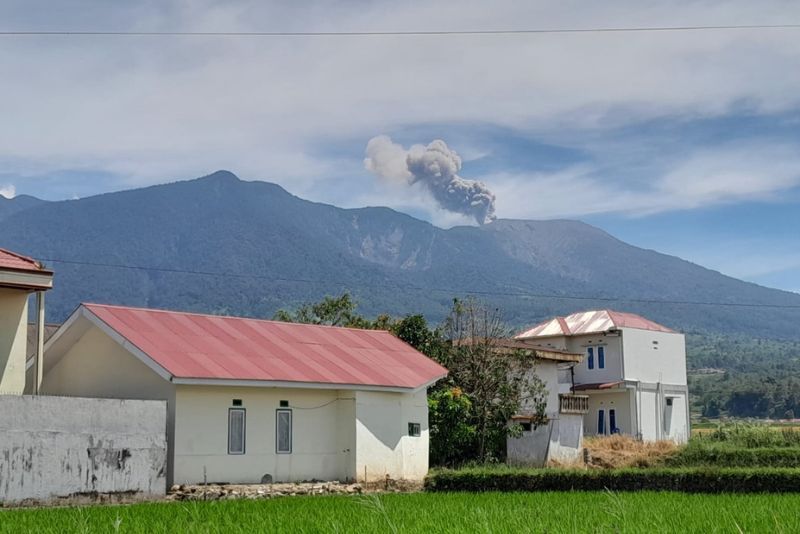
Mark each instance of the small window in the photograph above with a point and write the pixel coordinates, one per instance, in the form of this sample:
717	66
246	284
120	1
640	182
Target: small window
590	360
413	429
237	402
601	422
601	357
284	404
236	430
283	431
669	401
526	426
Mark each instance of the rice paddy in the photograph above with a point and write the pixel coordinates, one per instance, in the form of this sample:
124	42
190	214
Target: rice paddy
424	512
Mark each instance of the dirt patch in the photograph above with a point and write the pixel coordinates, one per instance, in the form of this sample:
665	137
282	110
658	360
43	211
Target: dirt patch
212	492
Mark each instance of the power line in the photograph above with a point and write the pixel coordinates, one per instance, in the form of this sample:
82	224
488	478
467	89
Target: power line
450	291
399	33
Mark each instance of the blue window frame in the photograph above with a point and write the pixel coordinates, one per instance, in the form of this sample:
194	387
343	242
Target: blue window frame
590	359
601	421
601	357
612	421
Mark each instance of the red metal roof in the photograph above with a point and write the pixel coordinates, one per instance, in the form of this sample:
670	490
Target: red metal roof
18	262
190	345
590	322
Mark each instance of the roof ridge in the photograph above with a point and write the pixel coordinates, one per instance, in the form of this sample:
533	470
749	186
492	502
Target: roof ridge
201	314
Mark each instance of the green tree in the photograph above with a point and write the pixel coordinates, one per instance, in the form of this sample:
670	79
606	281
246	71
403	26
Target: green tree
332	311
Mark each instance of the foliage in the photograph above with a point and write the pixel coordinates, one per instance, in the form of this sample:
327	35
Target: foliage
750	435
429	512
701	453
451	432
331	311
736	376
498	382
694	480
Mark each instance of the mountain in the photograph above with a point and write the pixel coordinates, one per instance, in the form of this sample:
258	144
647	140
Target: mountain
280	251
10	206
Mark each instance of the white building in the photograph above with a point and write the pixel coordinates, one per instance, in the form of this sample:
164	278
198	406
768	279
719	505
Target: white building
634	372
560	439
19	277
251	400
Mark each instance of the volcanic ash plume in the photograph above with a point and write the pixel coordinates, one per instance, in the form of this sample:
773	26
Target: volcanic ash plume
435	166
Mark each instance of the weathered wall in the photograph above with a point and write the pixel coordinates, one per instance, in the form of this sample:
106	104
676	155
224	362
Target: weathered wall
382	441
97	366
561	440
60	446
13	339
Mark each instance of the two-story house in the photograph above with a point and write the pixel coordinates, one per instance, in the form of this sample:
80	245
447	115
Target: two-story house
633	370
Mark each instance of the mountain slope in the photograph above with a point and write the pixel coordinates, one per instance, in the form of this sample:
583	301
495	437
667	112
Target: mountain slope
10	206
282	250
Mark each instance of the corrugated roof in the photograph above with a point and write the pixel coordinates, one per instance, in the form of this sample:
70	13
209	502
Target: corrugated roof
590	322
597	385
49	330
18	262
198	346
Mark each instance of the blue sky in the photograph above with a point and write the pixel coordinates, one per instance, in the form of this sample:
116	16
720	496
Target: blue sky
687	143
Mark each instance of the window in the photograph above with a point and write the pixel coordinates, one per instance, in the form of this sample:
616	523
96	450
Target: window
612	421
284	404
237	402
413	429
283	431
669	401
601	357
236	430
590	352
601	421
527	426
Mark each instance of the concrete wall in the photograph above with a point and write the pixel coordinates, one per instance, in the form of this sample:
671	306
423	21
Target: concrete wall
13	340
59	446
321	428
382	441
654	356
560	440
660	421
96	366
612	345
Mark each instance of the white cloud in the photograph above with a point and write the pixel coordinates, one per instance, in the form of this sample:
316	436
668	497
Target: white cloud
158	108
8	191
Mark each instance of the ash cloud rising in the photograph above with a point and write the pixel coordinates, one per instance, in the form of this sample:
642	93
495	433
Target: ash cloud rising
436	167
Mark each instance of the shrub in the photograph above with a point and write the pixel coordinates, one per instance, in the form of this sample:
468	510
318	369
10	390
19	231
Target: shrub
699	453
664	479
751	435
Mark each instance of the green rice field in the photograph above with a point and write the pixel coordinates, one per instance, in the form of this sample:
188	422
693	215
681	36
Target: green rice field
423	512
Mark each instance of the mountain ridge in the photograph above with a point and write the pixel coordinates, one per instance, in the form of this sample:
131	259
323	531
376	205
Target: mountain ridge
290	250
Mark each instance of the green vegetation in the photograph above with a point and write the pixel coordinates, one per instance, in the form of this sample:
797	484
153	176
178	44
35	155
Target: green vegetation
735	376
425	512
699	453
690	480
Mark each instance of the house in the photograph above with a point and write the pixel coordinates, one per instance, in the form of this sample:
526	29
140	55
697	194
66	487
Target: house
253	400
634	372
560	438
19	277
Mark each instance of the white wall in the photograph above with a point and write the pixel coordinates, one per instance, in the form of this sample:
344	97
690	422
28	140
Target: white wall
620	401
612	346
318	435
654	356
13	340
61	446
382	441
548	372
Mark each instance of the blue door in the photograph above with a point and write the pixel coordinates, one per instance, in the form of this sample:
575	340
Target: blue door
601	421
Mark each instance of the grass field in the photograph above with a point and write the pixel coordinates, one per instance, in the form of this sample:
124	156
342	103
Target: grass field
421	512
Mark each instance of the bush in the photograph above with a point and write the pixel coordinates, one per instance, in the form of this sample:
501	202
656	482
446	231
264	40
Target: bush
698	453
665	479
751	435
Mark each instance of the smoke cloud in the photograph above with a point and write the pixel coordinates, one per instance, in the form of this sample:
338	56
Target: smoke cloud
435	166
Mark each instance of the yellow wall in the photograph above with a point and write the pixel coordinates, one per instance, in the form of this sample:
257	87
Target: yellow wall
13	340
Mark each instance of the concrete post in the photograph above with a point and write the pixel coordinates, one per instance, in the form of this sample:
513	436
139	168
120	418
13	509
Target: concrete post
39	342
